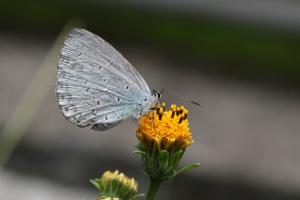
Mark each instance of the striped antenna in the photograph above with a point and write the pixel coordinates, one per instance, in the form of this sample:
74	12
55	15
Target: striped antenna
180	97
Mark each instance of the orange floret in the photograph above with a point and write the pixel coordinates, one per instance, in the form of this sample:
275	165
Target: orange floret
167	128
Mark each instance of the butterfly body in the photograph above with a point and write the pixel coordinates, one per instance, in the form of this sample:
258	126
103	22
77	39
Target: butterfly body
96	85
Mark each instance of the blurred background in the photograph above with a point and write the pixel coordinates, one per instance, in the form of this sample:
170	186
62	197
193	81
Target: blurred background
239	59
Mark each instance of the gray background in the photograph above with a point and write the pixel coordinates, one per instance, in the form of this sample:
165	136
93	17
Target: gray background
246	134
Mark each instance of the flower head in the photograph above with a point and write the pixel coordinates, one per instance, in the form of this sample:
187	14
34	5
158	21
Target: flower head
169	129
163	135
116	186
121	178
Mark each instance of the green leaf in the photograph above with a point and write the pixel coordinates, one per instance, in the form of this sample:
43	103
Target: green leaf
187	168
137	196
163	159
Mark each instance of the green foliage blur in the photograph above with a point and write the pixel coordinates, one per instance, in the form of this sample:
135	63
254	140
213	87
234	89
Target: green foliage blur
232	47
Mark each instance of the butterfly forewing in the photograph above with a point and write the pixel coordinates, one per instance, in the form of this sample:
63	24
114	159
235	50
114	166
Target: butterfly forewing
96	85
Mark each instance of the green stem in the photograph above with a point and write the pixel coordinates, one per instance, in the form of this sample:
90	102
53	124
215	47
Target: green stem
154	185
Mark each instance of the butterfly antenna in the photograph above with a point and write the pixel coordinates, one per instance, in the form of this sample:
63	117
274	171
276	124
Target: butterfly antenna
180	97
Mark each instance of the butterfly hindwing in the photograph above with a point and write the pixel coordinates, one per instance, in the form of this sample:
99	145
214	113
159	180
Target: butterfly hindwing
95	84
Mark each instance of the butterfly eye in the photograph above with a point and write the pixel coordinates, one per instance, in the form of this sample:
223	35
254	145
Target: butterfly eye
146	99
156	94
127	87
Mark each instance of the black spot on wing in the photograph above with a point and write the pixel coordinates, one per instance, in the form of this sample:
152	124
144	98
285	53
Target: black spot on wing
104	126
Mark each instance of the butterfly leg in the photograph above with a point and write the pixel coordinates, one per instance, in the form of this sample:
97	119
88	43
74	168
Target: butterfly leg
136	121
153	121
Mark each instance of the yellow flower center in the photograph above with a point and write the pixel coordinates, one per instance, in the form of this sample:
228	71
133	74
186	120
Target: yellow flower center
167	128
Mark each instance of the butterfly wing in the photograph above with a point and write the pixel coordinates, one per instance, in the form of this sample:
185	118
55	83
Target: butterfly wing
96	85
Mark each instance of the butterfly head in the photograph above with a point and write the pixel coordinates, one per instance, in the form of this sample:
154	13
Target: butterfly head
154	99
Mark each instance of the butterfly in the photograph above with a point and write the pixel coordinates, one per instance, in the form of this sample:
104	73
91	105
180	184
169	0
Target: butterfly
96	86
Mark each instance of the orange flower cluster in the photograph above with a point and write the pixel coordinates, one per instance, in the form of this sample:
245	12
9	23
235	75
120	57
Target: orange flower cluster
169	129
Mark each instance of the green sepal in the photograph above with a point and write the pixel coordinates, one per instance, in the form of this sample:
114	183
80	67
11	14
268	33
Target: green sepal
176	158
140	147
163	159
113	187
98	184
161	164
140	152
